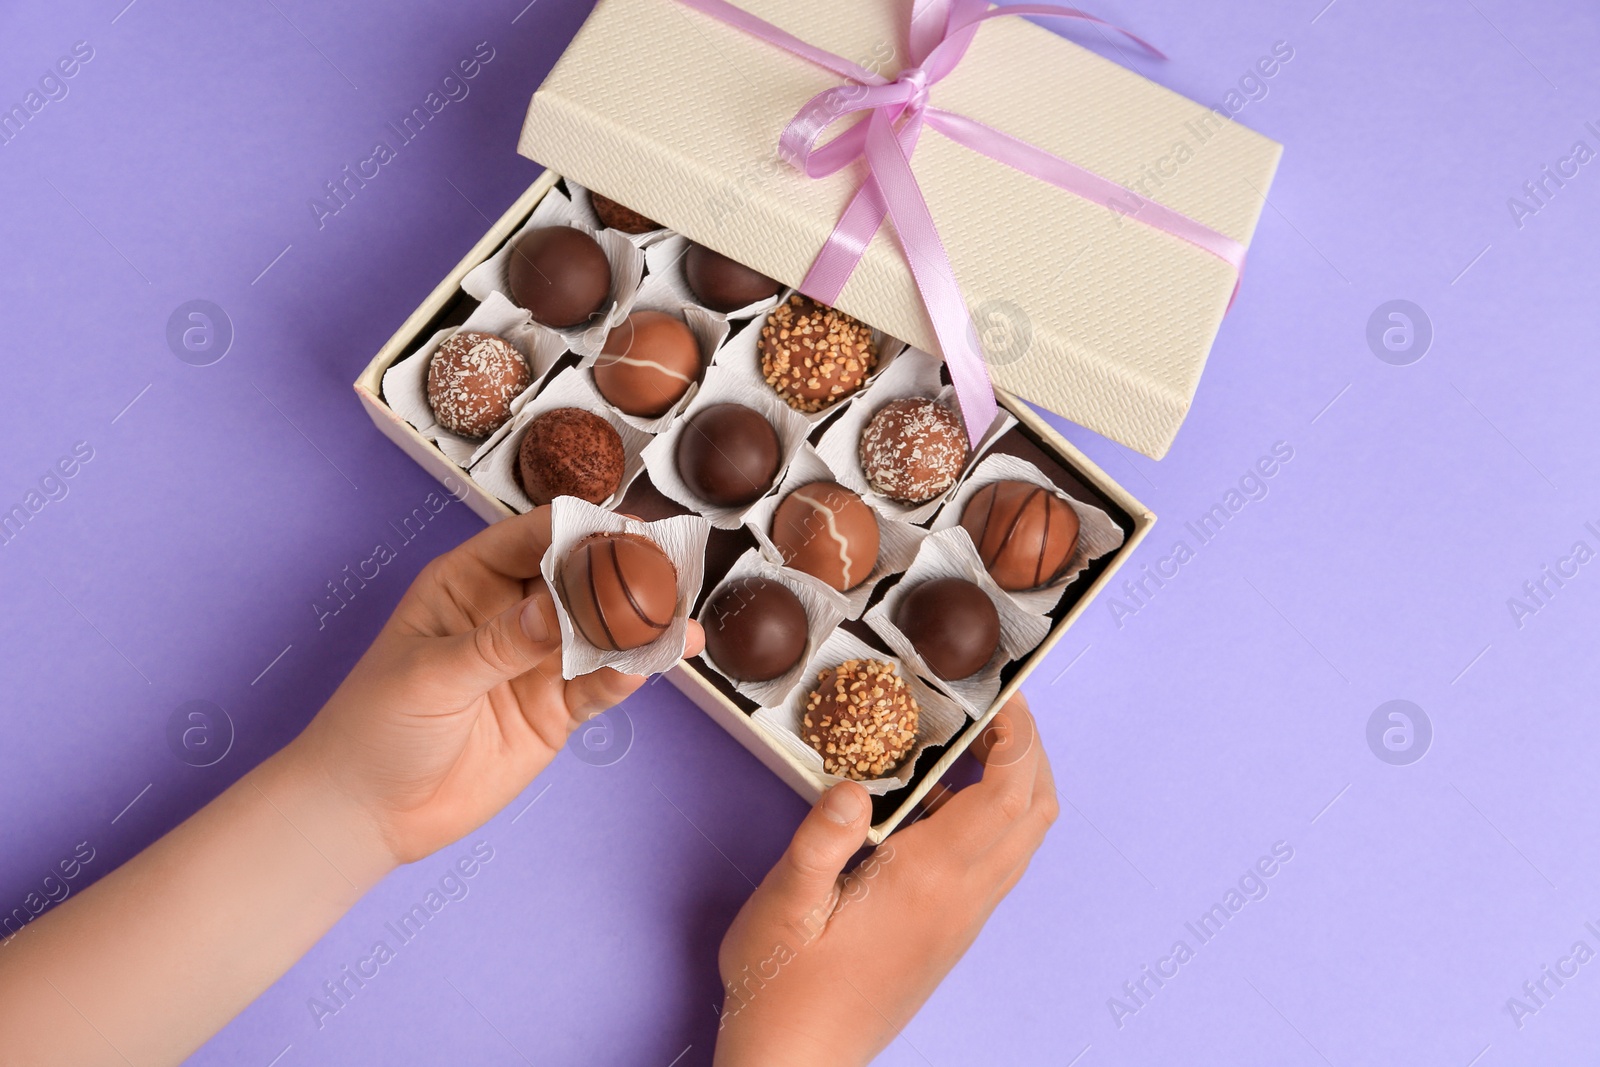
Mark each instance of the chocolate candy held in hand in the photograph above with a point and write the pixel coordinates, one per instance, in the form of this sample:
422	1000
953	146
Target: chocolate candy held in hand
755	629
913	450
648	363
616	217
724	284
570	452
620	590
827	531
813	355
560	274
1025	533
952	624
728	455
861	718
472	379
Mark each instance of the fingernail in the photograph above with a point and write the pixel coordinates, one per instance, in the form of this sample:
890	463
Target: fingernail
533	621
842	805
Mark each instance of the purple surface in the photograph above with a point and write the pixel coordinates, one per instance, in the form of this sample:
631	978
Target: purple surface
1229	712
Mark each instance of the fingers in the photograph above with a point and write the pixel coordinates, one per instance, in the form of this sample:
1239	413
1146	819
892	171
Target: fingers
513	547
517	640
978	816
805	878
590	694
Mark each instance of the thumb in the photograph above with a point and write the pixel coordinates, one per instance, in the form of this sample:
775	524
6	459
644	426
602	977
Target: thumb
807	875
511	643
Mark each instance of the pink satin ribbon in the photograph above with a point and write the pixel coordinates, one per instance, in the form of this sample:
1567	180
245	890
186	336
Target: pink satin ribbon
941	31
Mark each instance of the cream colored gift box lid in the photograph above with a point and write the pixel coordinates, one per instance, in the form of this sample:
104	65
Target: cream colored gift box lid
1103	320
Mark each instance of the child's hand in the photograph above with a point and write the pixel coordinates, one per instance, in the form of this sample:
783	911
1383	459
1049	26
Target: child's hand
820	969
460	701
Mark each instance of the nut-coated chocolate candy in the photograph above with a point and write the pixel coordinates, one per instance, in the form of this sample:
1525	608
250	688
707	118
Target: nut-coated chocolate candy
952	624
560	274
472	379
913	450
1025	533
728	455
861	718
617	217
649	361
755	629
724	284
827	531
620	590
570	452
814	355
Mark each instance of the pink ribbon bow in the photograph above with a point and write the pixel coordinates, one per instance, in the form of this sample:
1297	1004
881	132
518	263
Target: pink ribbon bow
941	31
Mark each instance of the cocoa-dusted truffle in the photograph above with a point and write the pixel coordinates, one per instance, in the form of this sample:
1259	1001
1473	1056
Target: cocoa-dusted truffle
1025	533
620	590
755	629
827	531
861	718
617	217
813	355
728	455
649	361
952	624
472	379
570	452
724	284
560	274
913	450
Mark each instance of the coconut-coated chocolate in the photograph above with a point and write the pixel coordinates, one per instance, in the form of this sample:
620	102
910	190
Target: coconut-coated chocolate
952	624
1025	533
648	363
861	718
728	455
560	274
827	531
755	629
913	449
617	217
570	452
724	284
472	379
621	590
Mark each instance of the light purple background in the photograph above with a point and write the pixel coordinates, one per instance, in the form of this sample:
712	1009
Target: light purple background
1228	714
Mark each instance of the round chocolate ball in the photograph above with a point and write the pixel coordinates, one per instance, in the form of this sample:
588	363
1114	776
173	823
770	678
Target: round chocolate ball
649	361
728	455
913	450
952	624
560	274
755	629
570	452
616	217
861	718
621	590
724	284
472	379
1025	533
827	531
814	355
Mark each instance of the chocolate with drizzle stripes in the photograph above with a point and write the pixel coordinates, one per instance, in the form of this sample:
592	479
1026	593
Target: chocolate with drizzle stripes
621	590
1025	534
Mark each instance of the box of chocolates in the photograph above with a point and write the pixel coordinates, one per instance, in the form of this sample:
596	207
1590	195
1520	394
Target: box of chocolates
878	559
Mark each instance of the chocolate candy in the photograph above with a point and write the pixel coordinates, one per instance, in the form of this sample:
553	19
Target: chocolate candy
570	452
472	379
952	624
647	364
724	284
1025	533
755	629
616	217
560	274
861	718
813	355
728	455
825	530
913	450
620	590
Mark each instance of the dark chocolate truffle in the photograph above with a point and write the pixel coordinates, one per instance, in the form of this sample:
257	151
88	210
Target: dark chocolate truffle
1025	533
952	624
728	455
724	284
570	452
472	379
649	361
560	274
825	530
813	355
621	590
861	718
616	217
755	629
913	450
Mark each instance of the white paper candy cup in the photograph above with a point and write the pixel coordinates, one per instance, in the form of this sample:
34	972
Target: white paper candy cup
897	540
682	538
1097	534
950	554
825	609
583	203
497	471
939	716
665	261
